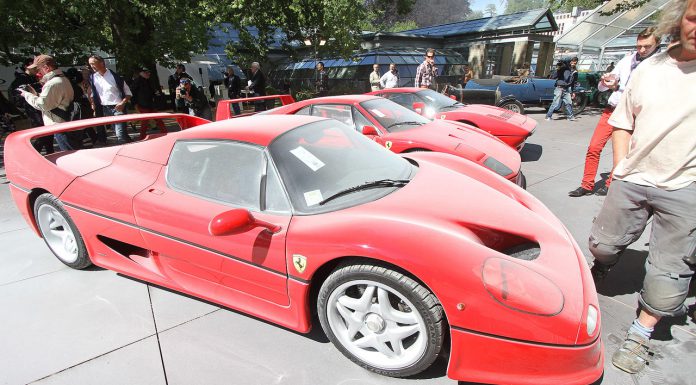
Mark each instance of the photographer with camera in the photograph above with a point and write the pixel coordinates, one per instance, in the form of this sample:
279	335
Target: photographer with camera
27	78
56	93
194	99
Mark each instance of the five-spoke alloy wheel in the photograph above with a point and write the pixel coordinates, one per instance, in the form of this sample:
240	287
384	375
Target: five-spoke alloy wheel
60	233
381	319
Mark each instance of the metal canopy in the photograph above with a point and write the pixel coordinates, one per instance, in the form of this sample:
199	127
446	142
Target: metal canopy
536	20
597	31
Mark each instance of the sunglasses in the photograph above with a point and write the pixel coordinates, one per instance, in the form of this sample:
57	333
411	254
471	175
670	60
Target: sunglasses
429	57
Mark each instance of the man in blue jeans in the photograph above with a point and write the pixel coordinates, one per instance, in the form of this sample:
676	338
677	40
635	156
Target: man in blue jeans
110	94
564	89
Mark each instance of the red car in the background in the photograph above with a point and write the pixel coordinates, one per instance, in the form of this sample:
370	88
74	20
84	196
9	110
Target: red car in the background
402	130
510	127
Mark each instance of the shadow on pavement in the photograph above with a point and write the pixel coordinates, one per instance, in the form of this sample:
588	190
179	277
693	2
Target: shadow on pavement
626	277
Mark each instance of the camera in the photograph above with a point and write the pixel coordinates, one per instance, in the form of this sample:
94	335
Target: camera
182	91
23	87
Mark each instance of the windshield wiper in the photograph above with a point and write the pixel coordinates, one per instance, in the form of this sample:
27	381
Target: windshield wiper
451	106
367	185
410	123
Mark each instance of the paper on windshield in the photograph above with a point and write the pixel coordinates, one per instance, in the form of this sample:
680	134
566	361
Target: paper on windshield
378	112
313	197
307	158
430	97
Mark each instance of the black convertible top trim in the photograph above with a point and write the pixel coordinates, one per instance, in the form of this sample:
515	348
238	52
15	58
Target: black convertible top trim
523	341
235	258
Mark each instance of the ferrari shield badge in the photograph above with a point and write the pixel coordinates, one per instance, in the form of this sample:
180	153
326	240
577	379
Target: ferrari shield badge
388	144
300	262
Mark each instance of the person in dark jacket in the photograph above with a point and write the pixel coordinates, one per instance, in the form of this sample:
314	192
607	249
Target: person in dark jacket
194	99
144	99
257	84
234	87
173	83
562	93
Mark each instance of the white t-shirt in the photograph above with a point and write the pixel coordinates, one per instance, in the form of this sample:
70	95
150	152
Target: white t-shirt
659	106
389	80
109	94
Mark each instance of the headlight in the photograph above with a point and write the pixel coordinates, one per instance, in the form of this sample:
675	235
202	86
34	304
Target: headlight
497	166
521	288
591	320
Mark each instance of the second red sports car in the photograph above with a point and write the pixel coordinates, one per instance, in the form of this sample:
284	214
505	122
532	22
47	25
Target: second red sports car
510	127
402	130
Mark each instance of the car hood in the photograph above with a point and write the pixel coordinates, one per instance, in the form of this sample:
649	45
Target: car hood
460	139
454	216
522	122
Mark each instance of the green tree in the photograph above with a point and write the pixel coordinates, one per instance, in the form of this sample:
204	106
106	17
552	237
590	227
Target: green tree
567	5
490	10
137	33
477	14
512	6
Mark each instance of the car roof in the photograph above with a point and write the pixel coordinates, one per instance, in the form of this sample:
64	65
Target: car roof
341	99
259	129
400	89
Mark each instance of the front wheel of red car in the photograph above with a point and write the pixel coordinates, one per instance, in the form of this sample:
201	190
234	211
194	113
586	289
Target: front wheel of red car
381	319
60	233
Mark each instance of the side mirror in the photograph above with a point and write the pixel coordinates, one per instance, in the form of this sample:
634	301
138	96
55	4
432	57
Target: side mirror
369	130
237	221
419	107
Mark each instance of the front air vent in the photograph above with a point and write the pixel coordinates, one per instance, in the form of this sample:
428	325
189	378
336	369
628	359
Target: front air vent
525	251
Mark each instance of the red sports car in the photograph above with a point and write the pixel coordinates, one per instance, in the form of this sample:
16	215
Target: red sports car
283	217
402	130
510	127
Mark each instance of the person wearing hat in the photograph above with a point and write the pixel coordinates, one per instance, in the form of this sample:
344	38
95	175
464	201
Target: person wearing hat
56	93
194	99
110	95
144	100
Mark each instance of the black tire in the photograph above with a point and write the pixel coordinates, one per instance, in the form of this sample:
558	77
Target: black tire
513	105
603	98
60	233
522	180
416	307
579	103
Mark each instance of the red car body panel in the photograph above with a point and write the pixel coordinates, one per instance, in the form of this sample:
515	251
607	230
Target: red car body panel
134	223
224	107
510	127
440	136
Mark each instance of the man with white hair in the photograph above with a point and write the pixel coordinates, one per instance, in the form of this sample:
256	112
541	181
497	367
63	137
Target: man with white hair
654	176
257	84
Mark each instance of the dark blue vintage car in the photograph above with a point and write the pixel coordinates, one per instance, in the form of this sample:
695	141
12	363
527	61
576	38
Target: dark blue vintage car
528	91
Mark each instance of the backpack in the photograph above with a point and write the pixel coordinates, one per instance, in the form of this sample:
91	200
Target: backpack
74	112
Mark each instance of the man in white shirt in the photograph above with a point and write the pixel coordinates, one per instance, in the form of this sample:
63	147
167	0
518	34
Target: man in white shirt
391	78
655	177
110	96
646	46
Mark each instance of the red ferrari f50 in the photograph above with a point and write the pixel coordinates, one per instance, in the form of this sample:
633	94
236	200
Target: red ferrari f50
285	216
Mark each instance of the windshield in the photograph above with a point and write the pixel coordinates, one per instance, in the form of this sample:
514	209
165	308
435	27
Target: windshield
392	116
437	100
318	160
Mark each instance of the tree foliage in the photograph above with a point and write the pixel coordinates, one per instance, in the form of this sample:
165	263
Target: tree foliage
434	12
137	32
512	6
490	10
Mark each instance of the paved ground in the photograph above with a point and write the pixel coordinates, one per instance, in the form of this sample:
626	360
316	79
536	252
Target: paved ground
61	326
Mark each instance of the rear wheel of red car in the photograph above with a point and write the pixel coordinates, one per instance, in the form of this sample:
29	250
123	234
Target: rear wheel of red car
60	233
381	319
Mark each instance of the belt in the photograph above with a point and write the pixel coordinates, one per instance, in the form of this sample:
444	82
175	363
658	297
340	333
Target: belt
109	105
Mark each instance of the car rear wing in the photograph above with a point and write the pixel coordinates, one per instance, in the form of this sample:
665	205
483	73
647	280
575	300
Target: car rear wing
225	111
185	121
